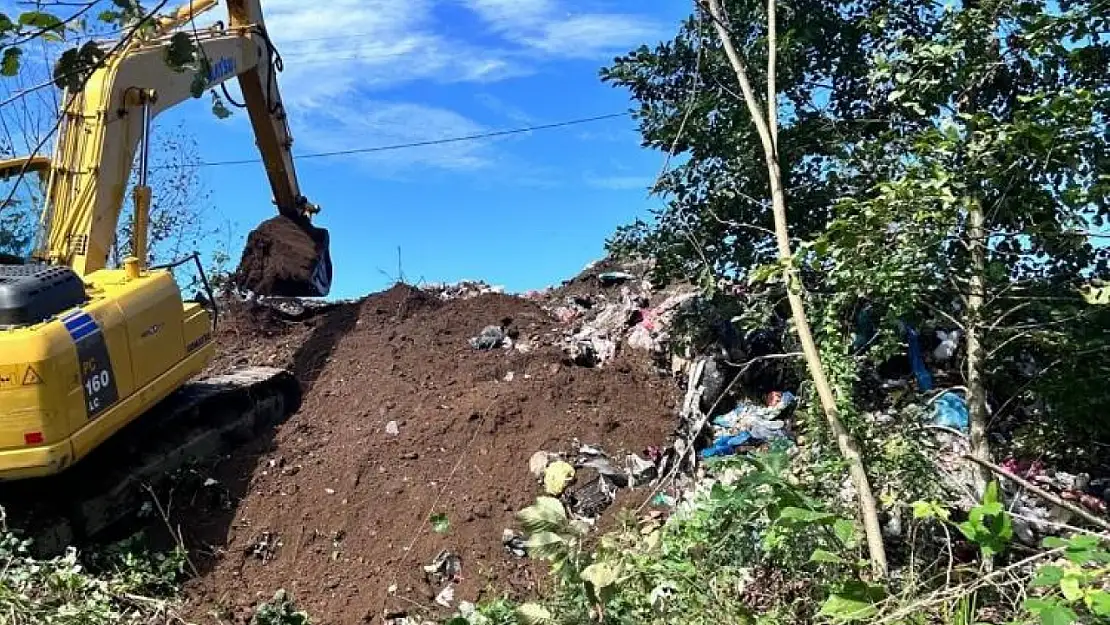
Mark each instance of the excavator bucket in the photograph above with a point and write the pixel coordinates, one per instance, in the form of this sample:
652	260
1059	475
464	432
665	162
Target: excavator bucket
286	257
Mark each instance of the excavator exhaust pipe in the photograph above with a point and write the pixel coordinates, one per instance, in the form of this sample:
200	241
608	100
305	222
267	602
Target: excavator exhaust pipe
286	257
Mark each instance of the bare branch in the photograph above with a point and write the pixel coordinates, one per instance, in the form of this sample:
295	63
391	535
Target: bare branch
772	98
1012	310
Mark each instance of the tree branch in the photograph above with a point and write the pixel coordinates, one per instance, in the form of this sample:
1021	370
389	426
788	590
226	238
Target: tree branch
1040	492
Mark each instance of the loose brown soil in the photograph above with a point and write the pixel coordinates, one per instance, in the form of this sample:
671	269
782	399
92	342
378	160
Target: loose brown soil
279	258
336	510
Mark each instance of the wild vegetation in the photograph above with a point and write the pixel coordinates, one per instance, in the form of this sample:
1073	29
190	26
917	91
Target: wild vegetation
125	583
886	167
849	174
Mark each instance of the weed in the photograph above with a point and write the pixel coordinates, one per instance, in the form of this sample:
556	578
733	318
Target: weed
122	584
281	610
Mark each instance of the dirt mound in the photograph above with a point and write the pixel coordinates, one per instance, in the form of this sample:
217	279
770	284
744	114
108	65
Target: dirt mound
402	419
280	258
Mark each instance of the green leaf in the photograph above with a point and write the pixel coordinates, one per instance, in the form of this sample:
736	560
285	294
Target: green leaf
823	556
533	614
600	574
846	609
1048	576
846	533
181	51
547	514
1098	602
1050	612
929	510
199	84
1053	542
9	66
545	544
804	516
440	523
110	16
854	602
1083	541
40	20
1080	549
5	24
218	108
992	501
1069	586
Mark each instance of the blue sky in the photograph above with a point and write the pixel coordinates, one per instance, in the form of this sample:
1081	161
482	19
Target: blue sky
522	211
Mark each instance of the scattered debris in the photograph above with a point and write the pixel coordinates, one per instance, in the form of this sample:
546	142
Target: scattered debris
949	344
400	350
749	424
446	596
538	463
951	411
514	543
446	568
610	278
917	362
642	471
491	337
264	547
392	428
556	477
591	494
464	289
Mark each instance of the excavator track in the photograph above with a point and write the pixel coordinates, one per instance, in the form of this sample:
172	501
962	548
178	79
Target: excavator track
201	421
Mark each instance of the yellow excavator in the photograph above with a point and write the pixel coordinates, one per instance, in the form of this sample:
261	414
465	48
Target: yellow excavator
85	349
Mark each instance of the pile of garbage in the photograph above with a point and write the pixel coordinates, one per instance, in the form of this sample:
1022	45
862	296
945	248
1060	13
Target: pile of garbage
463	289
622	309
750	425
587	480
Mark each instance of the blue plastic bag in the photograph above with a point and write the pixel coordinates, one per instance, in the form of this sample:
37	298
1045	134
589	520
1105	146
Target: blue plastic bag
917	363
951	411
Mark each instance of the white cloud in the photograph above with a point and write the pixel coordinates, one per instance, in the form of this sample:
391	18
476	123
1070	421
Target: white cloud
346	60
543	26
356	124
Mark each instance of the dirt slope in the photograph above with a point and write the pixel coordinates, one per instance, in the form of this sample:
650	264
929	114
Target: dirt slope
335	509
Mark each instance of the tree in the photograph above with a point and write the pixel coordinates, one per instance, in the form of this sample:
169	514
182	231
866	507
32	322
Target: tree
178	211
178	216
994	177
67	23
717	220
943	164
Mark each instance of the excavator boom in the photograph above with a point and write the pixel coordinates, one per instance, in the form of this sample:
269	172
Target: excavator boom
109	121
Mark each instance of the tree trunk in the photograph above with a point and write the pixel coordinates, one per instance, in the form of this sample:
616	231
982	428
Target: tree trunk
977	395
847	445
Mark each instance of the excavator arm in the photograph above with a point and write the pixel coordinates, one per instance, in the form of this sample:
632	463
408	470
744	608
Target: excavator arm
109	120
